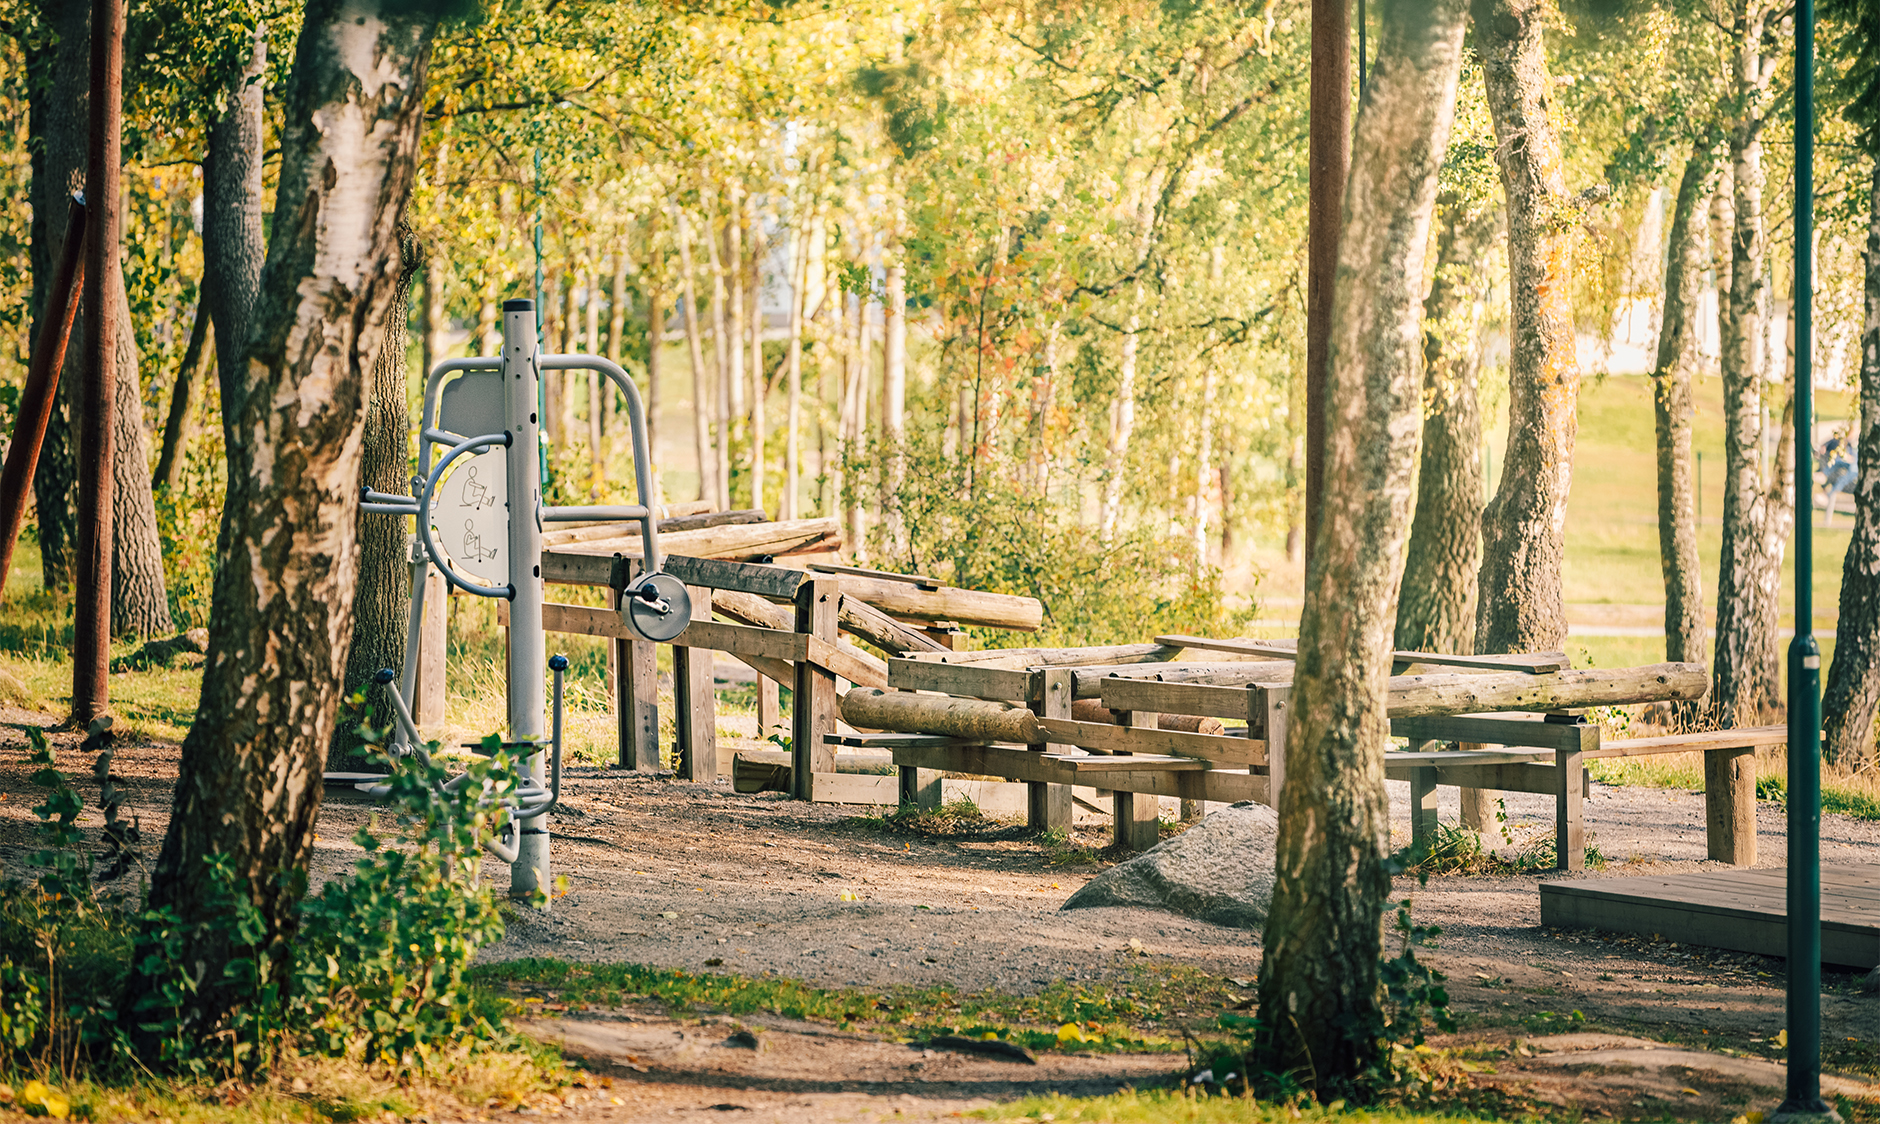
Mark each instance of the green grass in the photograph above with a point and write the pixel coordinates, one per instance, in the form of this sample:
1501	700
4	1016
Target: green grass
1124	1012
1187	1107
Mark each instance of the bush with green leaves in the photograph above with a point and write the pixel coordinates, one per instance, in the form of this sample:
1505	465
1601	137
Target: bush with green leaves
378	961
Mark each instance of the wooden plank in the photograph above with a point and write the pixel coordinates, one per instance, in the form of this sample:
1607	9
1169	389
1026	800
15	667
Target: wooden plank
560	568
1506	778
747	542
1444	757
813	698
1025	765
429	705
855	788
695	701
965	606
1486	731
595	532
1114	739
858	668
769	672
993	683
1084	763
774	582
892	741
1178	698
1750	737
636	699
1048	806
1089	680
1531	662
1742	910
920	580
1107	655
739	640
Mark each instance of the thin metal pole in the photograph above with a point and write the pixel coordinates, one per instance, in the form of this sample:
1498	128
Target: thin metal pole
522	379
91	623
1804	898
42	385
1328	158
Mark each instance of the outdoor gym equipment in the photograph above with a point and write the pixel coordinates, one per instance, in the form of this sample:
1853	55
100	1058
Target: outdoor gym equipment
481	526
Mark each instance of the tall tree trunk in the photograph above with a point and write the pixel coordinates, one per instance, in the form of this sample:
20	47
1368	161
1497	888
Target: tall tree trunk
701	378
1123	406
1852	695
760	387
552	331
792	462
232	240
431	314
570	344
1675	408
734	272
249	786
382	592
655	362
179	419
894	403
1319	987
1747	668
59	121
1520	605
724	346
1436	610
140	600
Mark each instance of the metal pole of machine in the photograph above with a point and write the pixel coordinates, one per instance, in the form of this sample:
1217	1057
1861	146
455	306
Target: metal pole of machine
521	382
1803	1100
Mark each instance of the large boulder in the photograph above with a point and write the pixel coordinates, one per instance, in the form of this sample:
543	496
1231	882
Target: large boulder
1219	871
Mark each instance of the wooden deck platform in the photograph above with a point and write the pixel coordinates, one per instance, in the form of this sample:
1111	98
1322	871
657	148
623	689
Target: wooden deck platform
1742	910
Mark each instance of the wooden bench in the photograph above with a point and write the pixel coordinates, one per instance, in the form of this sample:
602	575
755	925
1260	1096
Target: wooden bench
1550	757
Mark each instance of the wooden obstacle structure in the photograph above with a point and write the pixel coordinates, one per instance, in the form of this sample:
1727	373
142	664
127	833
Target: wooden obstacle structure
1187	717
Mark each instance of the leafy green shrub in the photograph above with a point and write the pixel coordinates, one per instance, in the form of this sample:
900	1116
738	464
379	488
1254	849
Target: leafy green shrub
377	968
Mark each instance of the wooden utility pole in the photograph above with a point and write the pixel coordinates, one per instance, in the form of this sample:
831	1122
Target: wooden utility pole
1328	158
91	640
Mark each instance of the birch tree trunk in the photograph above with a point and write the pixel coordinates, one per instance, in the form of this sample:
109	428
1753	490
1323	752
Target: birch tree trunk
1520	606
382	591
1747	667
571	345
724	345
1852	695
1319	984
760	385
894	403
249	785
792	464
695	349
1675	408
655	345
1123	408
1436	610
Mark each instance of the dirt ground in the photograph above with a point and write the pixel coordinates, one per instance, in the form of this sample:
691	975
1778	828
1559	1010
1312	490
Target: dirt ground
677	875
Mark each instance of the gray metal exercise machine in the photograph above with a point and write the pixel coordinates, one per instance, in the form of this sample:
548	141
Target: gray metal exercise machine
480	516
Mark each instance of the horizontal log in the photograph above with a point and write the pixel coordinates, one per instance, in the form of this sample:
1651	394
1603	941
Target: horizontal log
969	681
618	529
774	582
1746	737
749	608
1023	658
742	542
1536	778
910	713
1090	710
966	606
859	618
1484	730
1418	696
921	580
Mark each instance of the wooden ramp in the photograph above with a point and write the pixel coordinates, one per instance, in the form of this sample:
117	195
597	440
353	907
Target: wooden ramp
1742	910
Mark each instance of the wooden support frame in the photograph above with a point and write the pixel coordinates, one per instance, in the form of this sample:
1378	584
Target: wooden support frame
1135	825
695	702
1048	806
813	697
635	685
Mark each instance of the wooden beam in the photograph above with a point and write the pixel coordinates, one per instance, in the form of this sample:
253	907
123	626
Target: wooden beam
1486	731
1532	662
883	631
967	681
1025	765
920	580
966	606
1122	739
695	700
912	713
1088	681
813	701
774	582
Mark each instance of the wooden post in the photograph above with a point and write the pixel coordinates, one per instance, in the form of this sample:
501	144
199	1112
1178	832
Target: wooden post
694	703
769	707
1569	798
1730	804
1423	805
431	689
1048	806
813	698
633	680
91	619
1271	705
1135	826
